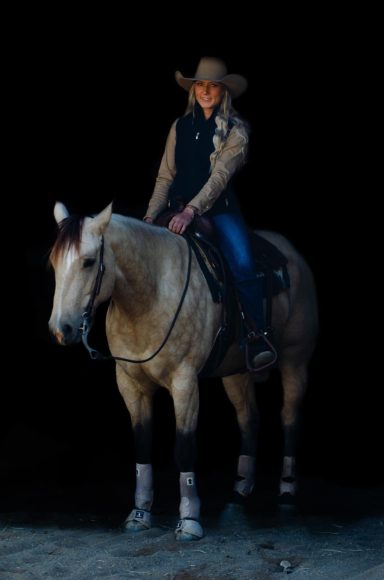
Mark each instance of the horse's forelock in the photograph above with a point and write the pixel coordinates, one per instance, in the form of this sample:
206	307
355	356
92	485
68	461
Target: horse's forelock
68	237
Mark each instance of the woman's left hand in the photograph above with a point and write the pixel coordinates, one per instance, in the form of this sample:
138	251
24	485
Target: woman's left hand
181	221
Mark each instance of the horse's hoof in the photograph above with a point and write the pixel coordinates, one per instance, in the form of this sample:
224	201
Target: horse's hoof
286	499
187	530
233	513
287	504
288	488
137	521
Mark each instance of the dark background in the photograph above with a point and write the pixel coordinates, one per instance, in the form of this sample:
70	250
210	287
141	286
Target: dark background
91	114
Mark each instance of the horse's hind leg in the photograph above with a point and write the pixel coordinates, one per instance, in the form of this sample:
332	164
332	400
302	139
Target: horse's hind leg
294	380
240	391
139	405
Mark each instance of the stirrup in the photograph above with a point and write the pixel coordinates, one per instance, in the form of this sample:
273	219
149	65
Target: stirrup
262	357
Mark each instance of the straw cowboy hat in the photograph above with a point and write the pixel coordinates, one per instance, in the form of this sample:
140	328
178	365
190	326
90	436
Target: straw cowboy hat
214	69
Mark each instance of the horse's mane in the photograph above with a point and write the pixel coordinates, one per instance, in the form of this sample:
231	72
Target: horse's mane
69	236
70	231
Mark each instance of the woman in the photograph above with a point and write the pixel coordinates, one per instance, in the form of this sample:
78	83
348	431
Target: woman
203	151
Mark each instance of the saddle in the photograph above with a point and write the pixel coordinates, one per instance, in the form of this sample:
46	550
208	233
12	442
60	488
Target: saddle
271	266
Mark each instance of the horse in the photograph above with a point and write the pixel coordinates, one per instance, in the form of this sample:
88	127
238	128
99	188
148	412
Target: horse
161	325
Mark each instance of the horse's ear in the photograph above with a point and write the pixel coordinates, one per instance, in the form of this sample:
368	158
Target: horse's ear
100	222
60	212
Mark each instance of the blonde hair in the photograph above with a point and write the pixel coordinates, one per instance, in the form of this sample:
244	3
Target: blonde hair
225	114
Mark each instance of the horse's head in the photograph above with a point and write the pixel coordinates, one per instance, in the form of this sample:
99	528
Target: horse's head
78	257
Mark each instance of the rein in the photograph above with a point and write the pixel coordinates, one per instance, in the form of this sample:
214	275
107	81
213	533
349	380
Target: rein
87	315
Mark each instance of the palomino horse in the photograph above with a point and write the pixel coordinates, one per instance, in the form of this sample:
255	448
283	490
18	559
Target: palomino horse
162	319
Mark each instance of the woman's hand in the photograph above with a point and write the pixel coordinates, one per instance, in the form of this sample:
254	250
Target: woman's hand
182	220
148	220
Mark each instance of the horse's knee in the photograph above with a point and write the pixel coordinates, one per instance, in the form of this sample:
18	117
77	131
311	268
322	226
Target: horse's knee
294	386
290	413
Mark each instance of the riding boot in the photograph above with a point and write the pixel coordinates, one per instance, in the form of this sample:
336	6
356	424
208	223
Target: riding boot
260	353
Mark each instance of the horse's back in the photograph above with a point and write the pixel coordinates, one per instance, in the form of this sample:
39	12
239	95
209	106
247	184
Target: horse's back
284	245
297	265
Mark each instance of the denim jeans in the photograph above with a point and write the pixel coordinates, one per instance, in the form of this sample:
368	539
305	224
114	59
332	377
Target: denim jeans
233	240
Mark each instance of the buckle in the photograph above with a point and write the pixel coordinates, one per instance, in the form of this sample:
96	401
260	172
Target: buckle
252	336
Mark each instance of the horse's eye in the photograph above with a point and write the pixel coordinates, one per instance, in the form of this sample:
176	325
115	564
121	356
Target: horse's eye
89	262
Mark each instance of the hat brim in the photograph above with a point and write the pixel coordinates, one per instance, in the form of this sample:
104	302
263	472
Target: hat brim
236	84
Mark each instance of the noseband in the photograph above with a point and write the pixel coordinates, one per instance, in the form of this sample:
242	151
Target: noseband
87	315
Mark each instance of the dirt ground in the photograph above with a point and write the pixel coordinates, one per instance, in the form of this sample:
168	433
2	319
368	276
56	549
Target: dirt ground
334	533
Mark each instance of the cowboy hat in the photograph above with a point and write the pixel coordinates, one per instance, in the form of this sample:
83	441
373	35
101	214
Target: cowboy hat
213	69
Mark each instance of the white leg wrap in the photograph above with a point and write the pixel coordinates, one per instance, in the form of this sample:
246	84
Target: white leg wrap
289	467
245	471
144	486
288	476
189	502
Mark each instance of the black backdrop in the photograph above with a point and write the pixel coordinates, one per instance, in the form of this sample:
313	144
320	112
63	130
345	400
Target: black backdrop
92	118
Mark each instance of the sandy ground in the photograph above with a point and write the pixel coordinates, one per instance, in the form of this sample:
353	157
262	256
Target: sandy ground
335	533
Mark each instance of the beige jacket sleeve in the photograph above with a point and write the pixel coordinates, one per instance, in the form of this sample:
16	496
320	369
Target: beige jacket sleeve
165	176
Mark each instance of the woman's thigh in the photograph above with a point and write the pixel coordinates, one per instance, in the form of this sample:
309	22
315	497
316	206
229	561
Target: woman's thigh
234	242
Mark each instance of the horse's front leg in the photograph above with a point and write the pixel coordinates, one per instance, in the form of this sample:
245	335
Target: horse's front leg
185	395
138	399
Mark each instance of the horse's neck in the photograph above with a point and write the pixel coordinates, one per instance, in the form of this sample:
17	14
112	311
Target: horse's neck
145	257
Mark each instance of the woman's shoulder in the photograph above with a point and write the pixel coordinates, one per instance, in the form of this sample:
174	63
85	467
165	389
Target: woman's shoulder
238	128
239	122
184	118
183	123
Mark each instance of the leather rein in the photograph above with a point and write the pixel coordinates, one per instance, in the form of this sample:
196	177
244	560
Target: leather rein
87	315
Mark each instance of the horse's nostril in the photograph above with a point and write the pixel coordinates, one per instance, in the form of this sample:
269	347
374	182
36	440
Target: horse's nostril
63	334
67	329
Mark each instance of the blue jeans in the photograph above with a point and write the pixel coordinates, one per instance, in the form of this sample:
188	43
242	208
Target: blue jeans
233	240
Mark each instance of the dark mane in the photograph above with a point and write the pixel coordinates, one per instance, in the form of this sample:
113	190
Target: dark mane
69	236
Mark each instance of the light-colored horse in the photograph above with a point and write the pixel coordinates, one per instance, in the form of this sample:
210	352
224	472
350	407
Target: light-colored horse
146	272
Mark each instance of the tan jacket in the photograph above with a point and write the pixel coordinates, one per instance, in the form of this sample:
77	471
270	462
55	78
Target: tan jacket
224	164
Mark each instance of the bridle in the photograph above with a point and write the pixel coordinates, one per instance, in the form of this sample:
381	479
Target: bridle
85	325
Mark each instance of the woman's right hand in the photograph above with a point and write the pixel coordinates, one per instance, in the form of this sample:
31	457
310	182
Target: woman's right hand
148	220
182	220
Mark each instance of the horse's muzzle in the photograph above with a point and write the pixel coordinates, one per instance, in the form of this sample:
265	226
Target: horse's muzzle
66	334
